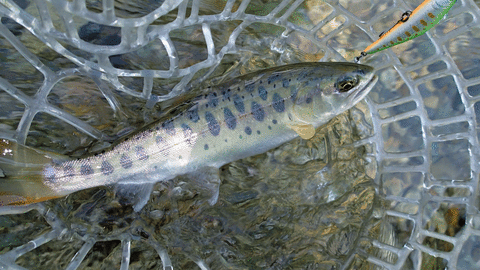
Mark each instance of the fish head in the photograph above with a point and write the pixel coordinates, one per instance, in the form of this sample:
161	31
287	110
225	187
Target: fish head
329	90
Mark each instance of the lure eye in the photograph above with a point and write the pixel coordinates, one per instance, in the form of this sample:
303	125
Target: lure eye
345	84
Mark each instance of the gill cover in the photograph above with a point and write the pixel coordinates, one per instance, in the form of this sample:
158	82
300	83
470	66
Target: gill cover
302	115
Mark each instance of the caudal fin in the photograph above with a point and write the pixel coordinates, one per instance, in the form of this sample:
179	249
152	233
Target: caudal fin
21	174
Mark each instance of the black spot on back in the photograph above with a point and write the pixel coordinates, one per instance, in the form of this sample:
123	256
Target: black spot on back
169	127
285	83
106	168
86	169
248	130
238	102
205	147
257	111
262	92
192	114
226	94
213	125
230	119
278	103
141	153
302	75
126	162
273	78
212	99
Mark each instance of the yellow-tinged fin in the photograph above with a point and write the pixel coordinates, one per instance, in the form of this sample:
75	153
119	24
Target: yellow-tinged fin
21	174
305	131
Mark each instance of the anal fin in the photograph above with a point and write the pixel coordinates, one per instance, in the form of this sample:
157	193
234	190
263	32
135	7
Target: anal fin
136	191
134	194
207	179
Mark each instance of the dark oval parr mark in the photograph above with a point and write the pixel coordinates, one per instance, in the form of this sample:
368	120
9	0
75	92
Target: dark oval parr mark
262	92
126	162
278	103
230	119
238	102
257	111
213	125
192	114
169	127
141	153
86	169
106	168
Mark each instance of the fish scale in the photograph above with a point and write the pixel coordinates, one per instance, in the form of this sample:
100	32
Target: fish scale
236	119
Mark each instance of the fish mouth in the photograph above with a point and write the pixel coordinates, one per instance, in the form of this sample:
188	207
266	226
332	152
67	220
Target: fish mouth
366	88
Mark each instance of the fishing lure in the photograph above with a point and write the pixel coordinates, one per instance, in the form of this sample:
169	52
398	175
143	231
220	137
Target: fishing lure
246	116
412	24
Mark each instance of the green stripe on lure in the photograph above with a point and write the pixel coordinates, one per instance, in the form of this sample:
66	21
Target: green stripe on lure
412	24
236	119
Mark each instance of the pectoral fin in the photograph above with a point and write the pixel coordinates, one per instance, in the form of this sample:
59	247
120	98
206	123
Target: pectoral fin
305	131
136	195
207	179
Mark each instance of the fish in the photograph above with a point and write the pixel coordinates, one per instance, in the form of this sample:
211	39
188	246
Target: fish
412	24
242	117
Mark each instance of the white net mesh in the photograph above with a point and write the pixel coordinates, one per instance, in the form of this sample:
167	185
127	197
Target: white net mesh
74	74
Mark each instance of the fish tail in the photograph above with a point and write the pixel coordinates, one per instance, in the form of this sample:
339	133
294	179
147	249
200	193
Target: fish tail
22	174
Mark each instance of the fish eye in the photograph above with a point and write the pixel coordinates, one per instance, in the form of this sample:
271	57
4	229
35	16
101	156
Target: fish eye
347	83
